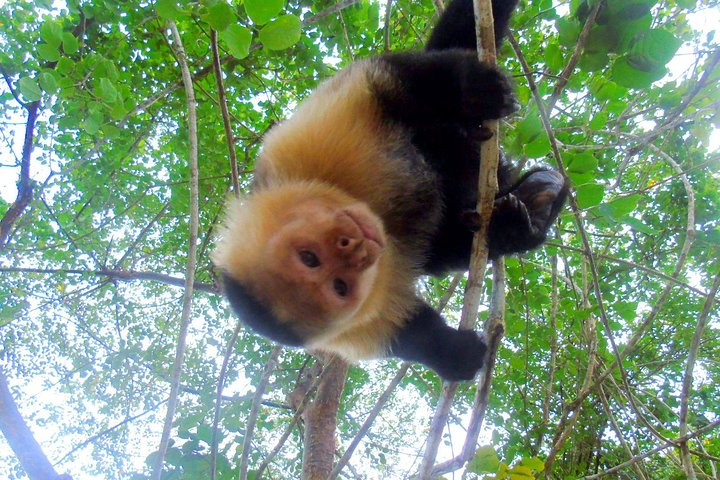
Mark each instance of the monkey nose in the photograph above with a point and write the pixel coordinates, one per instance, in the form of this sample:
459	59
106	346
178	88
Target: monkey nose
347	244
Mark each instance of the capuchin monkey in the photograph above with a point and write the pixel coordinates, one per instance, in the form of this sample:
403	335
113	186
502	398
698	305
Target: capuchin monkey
366	187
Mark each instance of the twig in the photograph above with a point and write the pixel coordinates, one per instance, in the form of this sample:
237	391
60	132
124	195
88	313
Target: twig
328	11
579	46
388	12
255	409
381	401
192	248
655	450
25	184
300	409
122	275
688	378
494	331
222	99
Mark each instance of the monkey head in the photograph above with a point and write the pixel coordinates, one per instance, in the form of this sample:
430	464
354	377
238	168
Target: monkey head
299	260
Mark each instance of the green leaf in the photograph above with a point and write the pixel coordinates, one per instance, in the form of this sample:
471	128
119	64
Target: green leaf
521	473
47	82
583	163
167	9
639	225
219	16
48	52
281	33
70	43
593	61
530	126
653	49
589	195
261	11
51	33
92	123
238	39
627	75
554	57
539	147
599	121
107	91
533	463
484	461
623	206
29	89
569	31
64	66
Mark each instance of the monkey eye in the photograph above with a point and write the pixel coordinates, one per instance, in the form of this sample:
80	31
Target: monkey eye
309	259
340	287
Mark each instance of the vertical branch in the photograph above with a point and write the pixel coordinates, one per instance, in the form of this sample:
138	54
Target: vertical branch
487	187
388	13
687	379
553	355
20	438
25	184
494	331
222	99
255	409
192	249
369	420
321	423
328	368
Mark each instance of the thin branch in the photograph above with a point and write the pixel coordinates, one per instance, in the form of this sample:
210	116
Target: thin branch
192	248
328	11
120	275
25	183
108	430
636	266
255	409
388	14
494	331
688	378
665	446
579	47
298	413
222	99
379	404
487	187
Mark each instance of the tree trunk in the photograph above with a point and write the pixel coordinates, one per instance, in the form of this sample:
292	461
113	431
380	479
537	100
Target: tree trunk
320	422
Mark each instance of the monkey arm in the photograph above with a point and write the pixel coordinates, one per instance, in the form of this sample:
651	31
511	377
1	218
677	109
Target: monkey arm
427	339
448	86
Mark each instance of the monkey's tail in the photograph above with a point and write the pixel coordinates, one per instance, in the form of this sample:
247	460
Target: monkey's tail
456	28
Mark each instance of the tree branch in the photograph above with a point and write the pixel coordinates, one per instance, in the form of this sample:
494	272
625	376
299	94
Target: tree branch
487	187
192	248
25	184
688	378
21	440
121	275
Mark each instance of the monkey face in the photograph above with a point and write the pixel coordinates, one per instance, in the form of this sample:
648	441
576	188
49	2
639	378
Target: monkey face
322	261
307	253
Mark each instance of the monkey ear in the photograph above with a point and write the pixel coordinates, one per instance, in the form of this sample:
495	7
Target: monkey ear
257	315
425	338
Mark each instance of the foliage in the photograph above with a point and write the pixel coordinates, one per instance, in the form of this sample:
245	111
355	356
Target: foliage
88	352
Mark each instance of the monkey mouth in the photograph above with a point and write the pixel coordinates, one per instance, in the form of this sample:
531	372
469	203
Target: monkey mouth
367	225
